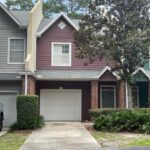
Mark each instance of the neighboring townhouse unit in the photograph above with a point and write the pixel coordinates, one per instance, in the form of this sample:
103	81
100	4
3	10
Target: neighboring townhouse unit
37	56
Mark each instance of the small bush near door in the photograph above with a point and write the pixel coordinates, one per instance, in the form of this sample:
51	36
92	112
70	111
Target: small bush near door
117	120
28	113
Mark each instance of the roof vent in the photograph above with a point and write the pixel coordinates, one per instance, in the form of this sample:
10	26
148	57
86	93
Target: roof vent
61	25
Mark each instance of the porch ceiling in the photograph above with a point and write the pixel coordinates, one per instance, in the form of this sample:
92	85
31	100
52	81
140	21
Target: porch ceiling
67	75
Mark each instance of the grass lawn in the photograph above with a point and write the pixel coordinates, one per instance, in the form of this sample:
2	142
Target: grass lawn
13	140
107	139
140	142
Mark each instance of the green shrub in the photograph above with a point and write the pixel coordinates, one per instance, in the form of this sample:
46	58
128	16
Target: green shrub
13	127
40	122
116	120
94	113
27	112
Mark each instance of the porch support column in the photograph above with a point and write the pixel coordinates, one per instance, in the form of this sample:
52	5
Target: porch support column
94	94
28	85
149	93
121	94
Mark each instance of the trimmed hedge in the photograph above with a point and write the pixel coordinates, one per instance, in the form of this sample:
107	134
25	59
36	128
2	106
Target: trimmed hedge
116	120
28	112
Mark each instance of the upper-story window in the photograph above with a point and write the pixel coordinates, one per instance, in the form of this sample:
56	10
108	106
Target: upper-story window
61	54
16	50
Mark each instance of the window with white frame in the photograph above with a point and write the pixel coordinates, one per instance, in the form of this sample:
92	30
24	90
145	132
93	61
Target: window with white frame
16	52
61	54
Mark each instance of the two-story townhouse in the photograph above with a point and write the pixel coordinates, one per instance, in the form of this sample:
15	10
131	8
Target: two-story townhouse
38	57
13	39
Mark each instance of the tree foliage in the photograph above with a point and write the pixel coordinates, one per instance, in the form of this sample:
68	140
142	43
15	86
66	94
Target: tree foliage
73	8
19	4
51	7
116	30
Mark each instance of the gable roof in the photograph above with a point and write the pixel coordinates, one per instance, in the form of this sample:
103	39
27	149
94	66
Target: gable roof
22	16
47	23
107	68
15	17
144	71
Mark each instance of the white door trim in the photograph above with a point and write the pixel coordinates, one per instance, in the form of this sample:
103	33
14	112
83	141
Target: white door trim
101	102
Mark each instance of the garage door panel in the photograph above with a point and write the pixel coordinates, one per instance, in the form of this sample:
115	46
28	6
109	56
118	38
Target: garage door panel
9	107
60	105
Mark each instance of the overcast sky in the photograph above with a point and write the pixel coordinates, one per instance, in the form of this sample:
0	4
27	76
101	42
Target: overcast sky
2	1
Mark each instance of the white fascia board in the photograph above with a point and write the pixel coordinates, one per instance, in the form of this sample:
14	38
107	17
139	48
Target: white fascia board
12	16
109	69
142	69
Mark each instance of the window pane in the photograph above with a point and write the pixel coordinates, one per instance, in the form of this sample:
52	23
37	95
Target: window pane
65	59
61	55
57	48
12	47
57	60
108	96
16	50
65	48
16	44
17	57
19	41
12	41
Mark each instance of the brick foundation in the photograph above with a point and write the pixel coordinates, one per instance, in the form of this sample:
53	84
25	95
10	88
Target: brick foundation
94	94
121	94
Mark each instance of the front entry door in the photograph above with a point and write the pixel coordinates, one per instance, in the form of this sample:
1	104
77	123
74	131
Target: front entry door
135	96
108	96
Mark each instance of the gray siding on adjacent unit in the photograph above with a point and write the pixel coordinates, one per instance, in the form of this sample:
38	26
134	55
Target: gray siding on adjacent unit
8	28
10	86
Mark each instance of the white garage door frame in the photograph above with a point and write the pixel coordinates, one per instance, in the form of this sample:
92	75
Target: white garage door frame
10	92
80	90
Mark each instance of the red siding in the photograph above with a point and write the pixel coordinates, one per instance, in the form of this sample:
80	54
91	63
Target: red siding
55	34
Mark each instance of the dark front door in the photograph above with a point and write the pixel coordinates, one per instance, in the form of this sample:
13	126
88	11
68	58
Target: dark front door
108	96
135	96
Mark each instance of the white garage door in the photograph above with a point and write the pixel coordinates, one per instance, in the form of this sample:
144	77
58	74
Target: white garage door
9	107
60	105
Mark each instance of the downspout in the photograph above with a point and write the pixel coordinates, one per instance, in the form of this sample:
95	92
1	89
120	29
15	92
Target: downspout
26	84
127	99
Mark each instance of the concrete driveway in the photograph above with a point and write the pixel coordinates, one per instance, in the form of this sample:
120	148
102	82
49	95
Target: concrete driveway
61	136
